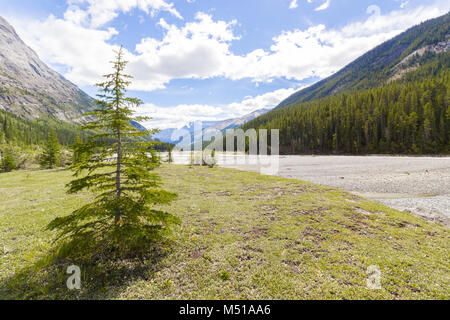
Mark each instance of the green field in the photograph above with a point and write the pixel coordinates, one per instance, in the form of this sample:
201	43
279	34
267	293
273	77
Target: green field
243	236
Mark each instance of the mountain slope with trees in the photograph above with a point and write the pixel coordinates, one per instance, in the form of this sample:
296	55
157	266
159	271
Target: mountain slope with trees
384	104
381	64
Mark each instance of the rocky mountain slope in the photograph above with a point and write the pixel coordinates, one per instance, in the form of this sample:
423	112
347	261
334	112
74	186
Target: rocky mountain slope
30	89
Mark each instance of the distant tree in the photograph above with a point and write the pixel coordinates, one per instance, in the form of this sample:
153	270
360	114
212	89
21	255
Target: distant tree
213	158
8	162
170	158
50	156
119	168
191	159
77	155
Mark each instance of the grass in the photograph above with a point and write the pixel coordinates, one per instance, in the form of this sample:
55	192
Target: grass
243	236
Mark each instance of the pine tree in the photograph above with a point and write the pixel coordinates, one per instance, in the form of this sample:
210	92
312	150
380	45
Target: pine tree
213	158
118	167
170	157
50	156
8	162
77	155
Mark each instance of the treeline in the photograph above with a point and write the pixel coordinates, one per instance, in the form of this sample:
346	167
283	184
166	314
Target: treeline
22	132
404	117
45	143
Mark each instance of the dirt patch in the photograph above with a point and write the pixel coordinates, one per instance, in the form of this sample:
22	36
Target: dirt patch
317	211
406	224
313	234
248	248
245	257
368	213
224	194
294	266
259	231
268	208
196	254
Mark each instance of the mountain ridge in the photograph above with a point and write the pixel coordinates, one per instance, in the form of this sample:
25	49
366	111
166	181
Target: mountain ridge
210	127
31	89
376	66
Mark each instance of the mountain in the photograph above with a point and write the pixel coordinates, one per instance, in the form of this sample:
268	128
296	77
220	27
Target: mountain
138	126
385	62
166	134
208	127
30	89
233	123
392	100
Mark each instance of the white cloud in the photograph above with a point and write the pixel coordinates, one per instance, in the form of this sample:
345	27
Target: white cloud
198	50
403	3
178	116
201	49
293	4
100	12
84	52
324	6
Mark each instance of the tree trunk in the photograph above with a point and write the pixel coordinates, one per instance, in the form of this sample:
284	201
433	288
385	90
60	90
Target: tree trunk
119	162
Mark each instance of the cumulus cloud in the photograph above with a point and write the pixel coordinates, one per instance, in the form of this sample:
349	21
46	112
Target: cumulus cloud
85	53
324	6
201	49
178	116
293	4
100	12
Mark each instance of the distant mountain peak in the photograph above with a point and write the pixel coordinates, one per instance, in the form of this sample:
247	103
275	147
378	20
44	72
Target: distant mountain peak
209	127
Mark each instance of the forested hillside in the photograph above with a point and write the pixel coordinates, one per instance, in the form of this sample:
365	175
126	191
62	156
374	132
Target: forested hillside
15	130
410	116
385	62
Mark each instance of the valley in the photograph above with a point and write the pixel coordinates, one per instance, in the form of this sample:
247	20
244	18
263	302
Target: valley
359	155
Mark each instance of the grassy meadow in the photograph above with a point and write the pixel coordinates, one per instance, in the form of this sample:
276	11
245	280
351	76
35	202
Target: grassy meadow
243	236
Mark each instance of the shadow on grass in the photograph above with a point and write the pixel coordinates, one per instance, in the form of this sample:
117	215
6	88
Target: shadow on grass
101	278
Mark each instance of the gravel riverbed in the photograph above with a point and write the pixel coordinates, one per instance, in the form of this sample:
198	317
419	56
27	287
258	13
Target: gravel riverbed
419	185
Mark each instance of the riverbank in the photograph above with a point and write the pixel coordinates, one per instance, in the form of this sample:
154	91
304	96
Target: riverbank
419	185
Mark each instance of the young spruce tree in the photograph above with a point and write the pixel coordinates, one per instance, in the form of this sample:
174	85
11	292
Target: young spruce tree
117	165
50	156
8	162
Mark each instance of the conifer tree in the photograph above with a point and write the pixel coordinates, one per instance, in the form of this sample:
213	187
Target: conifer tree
50	156
8	162
77	155
170	157
118	167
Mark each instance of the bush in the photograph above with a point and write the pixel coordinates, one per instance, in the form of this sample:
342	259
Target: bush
8	162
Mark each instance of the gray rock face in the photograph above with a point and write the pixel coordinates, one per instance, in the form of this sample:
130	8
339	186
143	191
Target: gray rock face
30	89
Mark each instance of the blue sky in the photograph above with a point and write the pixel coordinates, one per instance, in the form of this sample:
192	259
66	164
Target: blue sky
210	59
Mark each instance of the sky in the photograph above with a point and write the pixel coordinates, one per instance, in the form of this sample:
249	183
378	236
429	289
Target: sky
210	59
